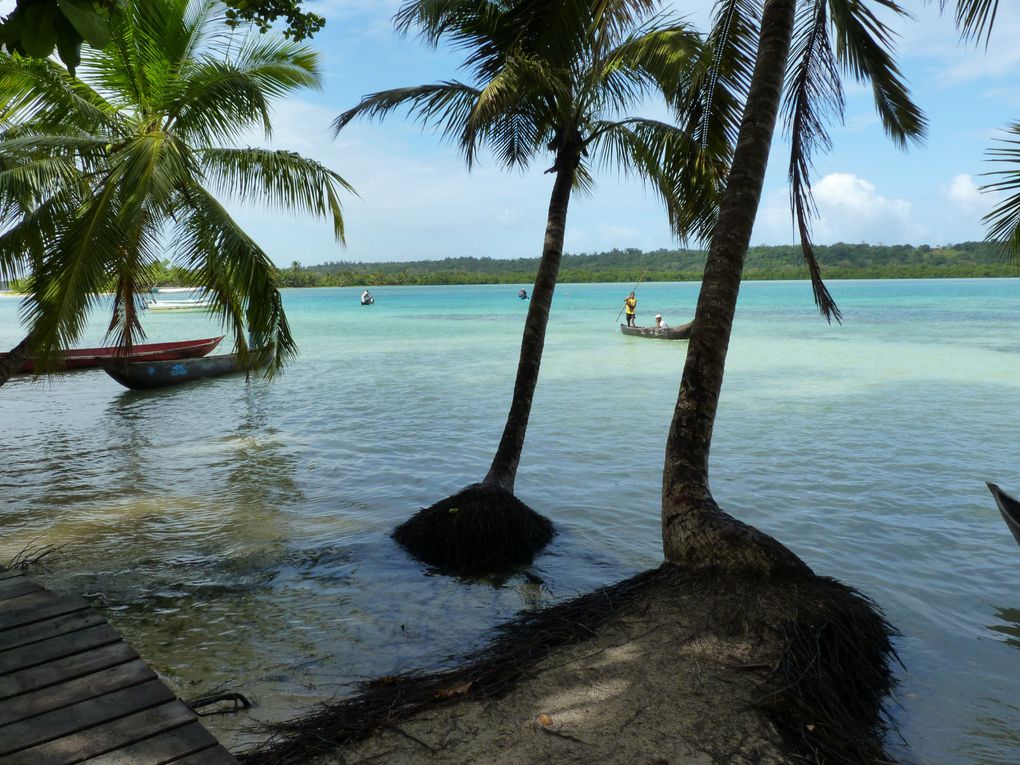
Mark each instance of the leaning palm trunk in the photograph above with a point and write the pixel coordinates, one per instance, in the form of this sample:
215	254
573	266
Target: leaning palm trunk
12	362
695	532
484	527
503	471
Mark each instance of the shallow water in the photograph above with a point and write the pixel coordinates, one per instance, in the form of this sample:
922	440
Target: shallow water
237	533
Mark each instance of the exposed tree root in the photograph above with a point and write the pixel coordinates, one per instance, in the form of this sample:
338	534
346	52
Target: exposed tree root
483	529
820	667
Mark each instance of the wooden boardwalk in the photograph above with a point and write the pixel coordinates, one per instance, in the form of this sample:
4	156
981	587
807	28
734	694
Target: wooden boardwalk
71	690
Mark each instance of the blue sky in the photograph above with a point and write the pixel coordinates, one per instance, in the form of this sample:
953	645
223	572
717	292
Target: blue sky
417	199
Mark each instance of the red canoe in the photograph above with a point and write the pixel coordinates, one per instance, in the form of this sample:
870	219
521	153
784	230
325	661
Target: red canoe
82	358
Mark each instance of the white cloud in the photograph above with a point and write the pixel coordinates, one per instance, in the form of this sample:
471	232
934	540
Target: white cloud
846	193
964	193
850	209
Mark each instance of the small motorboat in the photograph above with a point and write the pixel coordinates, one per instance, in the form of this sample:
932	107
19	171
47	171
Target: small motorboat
145	375
367	298
197	304
683	332
523	294
1010	509
88	358
179	290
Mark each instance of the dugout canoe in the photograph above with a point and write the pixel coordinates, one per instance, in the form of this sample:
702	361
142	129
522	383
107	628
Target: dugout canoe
1010	509
146	375
88	358
681	332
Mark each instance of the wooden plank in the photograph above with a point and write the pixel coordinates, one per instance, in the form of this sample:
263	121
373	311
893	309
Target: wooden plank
59	625
10	573
64	694
12	588
56	648
215	756
82	716
80	746
165	747
64	669
35	607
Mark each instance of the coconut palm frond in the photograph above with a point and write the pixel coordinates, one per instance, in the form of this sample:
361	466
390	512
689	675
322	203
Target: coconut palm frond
515	112
33	180
281	179
218	102
864	46
669	159
660	58
149	170
814	93
1003	222
445	106
91	186
718	84
975	18
66	285
132	280
45	94
238	275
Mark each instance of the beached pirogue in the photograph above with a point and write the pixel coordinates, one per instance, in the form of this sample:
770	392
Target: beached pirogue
683	332
88	358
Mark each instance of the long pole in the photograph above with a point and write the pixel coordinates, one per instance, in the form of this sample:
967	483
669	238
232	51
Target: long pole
625	305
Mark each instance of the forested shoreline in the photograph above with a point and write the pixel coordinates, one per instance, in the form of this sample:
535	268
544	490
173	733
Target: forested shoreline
838	261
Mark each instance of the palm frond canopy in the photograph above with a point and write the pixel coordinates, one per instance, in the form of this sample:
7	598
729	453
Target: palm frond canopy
833	39
565	78
104	176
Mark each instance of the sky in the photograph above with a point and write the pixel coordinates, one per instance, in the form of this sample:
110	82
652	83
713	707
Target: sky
416	198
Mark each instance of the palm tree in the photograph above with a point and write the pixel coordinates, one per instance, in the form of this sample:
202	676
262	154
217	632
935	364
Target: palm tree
558	77
696	532
975	19
100	176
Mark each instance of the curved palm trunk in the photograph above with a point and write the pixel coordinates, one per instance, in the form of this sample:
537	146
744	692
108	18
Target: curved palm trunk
695	532
12	362
503	471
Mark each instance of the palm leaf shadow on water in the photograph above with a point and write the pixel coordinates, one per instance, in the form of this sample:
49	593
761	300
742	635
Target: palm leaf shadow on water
818	667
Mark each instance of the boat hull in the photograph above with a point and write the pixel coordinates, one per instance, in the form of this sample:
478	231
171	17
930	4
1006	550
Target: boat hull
1010	509
88	358
179	305
683	332
146	375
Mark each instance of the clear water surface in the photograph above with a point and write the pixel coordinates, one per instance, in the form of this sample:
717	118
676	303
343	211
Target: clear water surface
237	534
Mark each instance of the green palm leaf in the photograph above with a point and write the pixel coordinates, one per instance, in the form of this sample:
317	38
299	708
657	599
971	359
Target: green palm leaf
99	177
281	179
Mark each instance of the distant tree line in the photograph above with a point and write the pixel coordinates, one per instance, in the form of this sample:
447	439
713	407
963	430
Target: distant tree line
838	261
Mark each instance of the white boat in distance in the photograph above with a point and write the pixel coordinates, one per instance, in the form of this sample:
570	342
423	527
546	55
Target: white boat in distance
179	305
177	290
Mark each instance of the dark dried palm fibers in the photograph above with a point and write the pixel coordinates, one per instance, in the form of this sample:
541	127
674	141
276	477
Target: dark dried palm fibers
481	529
825	693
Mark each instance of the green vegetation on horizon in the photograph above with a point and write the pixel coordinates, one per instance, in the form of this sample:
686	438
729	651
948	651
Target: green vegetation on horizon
838	261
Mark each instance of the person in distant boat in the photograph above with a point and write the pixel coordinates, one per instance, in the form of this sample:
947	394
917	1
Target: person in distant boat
523	294
366	298
630	308
660	323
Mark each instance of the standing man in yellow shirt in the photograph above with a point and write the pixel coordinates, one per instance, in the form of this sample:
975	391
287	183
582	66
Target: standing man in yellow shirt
630	308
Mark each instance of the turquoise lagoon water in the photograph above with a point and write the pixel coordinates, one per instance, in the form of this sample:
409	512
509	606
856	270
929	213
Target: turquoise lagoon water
237	533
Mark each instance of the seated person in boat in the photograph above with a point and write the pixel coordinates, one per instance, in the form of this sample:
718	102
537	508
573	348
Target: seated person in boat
660	323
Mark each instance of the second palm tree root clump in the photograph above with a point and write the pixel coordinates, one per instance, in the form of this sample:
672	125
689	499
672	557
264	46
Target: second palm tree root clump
480	529
741	669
